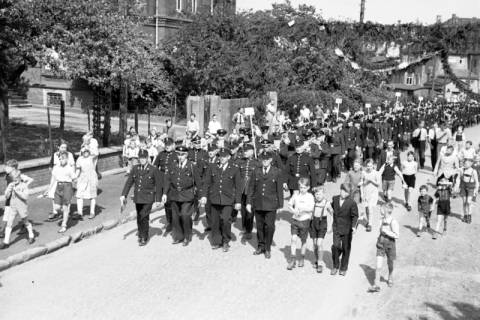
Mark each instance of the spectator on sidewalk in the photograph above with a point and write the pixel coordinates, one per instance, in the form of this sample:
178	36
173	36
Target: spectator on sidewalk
87	182
214	125
192	126
239	119
17	193
92	144
63	176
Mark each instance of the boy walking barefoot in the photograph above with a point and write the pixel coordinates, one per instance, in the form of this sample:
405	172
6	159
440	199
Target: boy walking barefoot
425	207
389	233
320	225
302	205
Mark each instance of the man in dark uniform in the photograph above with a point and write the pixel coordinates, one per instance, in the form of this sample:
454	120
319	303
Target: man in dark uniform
220	142
147	183
246	165
265	197
345	215
199	158
223	187
163	162
212	160
337	150
320	152
299	165
182	182
371	140
350	133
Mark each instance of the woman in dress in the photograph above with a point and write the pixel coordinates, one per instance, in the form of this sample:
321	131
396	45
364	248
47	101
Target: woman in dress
87	182
370	182
447	166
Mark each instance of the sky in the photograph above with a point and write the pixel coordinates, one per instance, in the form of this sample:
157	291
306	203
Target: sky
383	11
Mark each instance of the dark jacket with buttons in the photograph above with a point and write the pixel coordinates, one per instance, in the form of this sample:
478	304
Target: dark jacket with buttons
299	165
147	182
181	184
345	216
222	187
265	191
246	166
164	160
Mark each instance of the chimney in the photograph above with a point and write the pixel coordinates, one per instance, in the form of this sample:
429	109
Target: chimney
439	18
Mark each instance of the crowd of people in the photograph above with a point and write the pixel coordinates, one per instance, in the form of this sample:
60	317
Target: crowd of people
250	170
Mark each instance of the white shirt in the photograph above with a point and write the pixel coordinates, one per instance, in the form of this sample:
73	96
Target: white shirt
304	204
70	161
444	135
214	126
421	133
193	126
63	174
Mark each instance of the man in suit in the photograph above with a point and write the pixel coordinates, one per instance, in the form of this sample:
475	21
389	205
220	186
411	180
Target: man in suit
247	164
223	187
147	182
345	215
389	151
163	162
265	197
180	187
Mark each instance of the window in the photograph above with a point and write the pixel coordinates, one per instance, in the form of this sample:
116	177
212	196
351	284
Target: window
179	5
194	6
410	79
53	99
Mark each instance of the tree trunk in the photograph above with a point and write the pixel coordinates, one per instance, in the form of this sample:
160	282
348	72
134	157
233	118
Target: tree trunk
136	117
4	121
106	119
123	110
62	117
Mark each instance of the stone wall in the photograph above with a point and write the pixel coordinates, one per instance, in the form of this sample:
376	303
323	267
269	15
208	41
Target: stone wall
39	169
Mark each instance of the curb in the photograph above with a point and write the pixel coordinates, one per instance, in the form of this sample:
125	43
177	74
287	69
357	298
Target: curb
65	241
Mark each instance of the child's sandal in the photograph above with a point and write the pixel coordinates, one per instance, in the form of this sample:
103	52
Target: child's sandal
319	269
62	230
390	283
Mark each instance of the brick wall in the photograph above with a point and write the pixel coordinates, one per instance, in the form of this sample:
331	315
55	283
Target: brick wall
39	169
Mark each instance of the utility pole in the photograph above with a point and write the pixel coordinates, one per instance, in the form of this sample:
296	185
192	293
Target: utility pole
362	11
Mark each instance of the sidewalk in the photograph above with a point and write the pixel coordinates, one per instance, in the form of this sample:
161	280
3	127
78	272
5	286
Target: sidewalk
108	207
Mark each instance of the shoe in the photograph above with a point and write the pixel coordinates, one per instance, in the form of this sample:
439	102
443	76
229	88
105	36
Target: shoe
185	242
31	240
62	230
248	236
418	234
464	219
226	247
334	272
368	228
390	283
301	263
319	268
373	289
51	217
142	242
4	245
258	252
216	246
177	241
291	264
268	255
409	208
343	273
168	228
434	236
91	216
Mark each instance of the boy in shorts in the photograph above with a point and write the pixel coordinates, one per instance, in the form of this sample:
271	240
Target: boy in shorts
425	207
442	195
388	172
17	193
302	205
389	233
320	225
63	176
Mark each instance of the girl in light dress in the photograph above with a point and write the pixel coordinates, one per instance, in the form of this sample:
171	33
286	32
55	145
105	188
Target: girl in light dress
370	183
87	182
409	169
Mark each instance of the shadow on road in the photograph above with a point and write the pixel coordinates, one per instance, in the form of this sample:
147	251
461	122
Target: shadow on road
464	311
369	273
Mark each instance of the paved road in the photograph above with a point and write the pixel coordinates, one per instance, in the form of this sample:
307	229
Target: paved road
110	277
77	121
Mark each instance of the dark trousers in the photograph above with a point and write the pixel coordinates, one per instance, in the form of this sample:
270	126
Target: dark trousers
208	213
247	217
265	228
182	220
341	247
336	163
221	225
143	219
168	211
420	150
321	176
433	153
369	153
349	159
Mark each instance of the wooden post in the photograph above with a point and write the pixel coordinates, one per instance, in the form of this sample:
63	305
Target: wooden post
136	117
50	130
175	112
433	75
62	117
88	117
148	117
